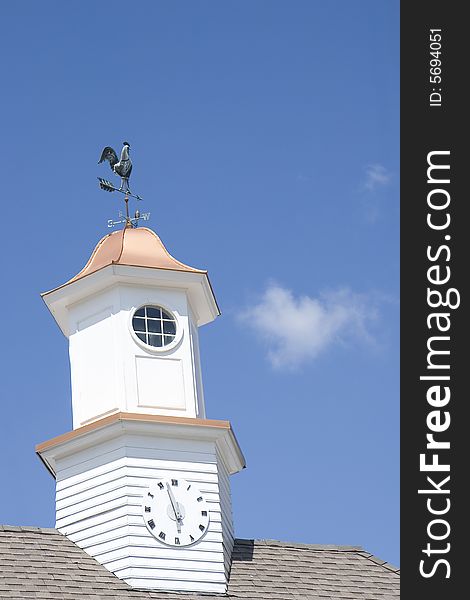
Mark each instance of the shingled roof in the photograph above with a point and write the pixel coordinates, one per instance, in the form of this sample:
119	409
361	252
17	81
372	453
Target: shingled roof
44	564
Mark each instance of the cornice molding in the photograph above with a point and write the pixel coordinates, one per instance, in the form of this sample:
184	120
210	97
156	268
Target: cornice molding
122	424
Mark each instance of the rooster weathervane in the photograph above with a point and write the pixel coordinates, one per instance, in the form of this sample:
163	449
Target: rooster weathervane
123	168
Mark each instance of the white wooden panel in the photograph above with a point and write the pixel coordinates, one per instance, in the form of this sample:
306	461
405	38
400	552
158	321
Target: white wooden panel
95	487
148	541
112	517
169	585
81	463
102	546
141	468
98	495
153	445
135	518
179	575
210	536
163	553
111	481
160	382
213	533
115	537
226	510
71	524
89	477
120	491
197	374
91	508
150	448
67	517
119	518
105	544
109	526
93	366
180	458
187	566
134	488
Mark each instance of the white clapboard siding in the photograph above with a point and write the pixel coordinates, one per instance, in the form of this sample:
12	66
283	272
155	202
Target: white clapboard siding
151	562
164	553
131	486
226	512
205	545
110	525
119	468
118	513
99	507
118	460
70	516
168	584
181	574
164	449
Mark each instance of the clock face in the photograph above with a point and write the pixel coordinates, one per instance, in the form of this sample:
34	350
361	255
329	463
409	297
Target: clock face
175	512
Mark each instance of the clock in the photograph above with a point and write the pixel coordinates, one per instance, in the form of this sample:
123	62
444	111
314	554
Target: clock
175	512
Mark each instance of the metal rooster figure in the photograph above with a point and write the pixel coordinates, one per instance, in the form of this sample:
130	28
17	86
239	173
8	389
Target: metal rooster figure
123	168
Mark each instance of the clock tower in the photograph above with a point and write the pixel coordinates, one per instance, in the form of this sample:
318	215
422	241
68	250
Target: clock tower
143	478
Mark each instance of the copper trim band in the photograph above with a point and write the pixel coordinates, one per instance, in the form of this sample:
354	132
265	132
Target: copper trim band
121	416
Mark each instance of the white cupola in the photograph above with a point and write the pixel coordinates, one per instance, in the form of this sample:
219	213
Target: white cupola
131	316
143	477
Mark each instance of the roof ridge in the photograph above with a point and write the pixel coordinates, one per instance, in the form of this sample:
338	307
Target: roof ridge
330	547
378	561
29	529
288	544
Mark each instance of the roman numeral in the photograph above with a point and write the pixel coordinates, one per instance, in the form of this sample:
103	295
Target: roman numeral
174	482
201	527
162	535
160	485
177	541
199	499
151	524
204	513
191	538
148	509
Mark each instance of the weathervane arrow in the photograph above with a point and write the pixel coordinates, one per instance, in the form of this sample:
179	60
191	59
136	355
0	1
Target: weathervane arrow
107	186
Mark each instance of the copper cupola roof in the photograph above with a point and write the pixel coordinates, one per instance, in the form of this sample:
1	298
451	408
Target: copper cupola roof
136	256
140	247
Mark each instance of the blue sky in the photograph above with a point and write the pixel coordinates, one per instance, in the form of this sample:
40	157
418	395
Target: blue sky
264	137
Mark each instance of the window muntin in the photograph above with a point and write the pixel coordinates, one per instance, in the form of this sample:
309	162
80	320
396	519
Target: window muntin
154	326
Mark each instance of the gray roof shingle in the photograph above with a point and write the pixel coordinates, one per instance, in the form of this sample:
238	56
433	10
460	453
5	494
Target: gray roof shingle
44	564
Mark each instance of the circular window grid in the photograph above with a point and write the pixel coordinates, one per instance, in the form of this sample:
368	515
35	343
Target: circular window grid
154	326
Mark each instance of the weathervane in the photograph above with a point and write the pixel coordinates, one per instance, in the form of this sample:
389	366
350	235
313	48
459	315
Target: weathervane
123	168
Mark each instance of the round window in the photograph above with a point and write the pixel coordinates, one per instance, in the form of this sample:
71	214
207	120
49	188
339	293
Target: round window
154	326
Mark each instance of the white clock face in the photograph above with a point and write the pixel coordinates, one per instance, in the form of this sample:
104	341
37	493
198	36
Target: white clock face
175	512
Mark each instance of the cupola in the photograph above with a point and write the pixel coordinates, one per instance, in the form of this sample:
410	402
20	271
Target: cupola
143	478
131	316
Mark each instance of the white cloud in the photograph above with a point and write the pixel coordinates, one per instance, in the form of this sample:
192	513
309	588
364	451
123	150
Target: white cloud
298	329
376	176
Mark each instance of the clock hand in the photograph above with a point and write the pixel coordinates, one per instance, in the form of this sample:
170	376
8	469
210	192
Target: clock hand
174	505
